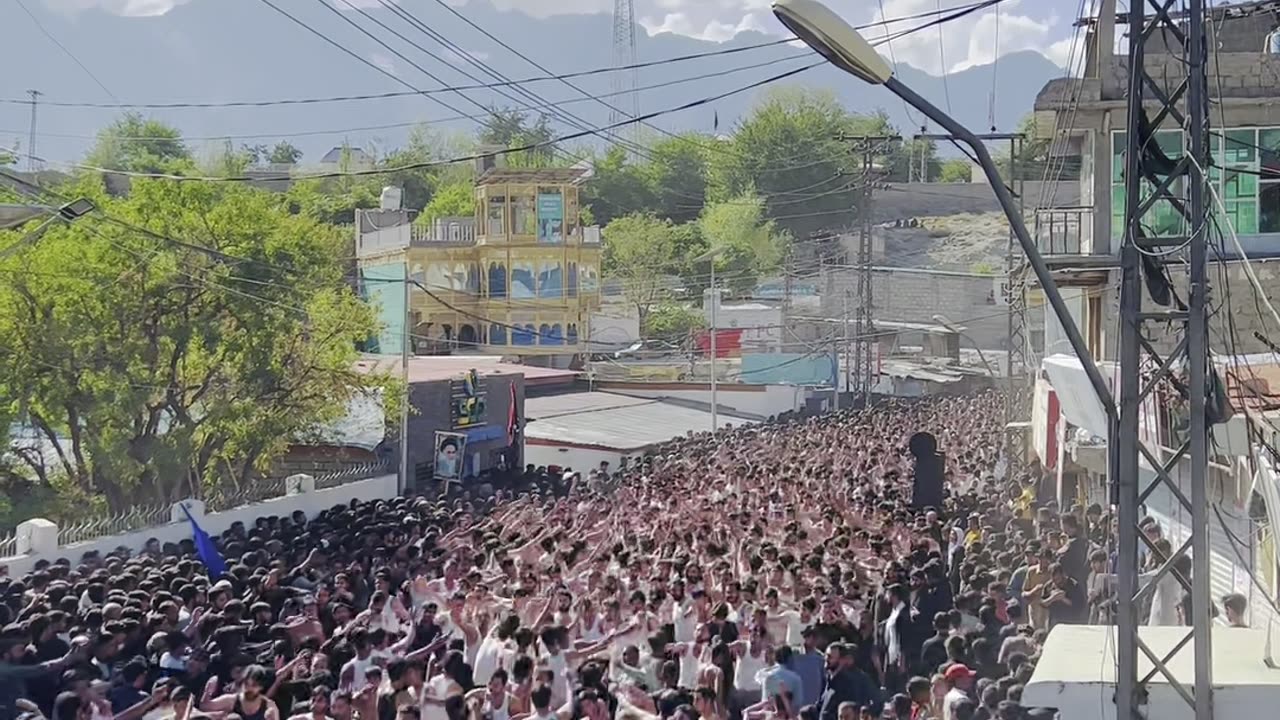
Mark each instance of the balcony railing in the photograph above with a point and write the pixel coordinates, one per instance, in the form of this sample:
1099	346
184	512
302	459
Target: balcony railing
1064	230
451	230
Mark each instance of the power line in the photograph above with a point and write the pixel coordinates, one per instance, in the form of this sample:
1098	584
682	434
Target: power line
411	93
480	86
464	158
65	50
942	57
391	126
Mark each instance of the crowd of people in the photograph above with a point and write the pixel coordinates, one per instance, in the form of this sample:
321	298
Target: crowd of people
776	571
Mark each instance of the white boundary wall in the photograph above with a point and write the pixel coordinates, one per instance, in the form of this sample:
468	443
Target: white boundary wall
38	538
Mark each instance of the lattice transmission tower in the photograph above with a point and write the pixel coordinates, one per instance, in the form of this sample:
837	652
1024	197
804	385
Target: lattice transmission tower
626	103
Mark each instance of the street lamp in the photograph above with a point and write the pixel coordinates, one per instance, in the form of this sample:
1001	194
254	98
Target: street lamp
944	322
712	255
834	39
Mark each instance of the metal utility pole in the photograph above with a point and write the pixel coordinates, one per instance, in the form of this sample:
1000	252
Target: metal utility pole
843	353
406	342
861	359
1149	180
31	138
1015	269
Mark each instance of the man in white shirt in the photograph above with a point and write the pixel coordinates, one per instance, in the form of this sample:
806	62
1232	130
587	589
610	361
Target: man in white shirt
960	679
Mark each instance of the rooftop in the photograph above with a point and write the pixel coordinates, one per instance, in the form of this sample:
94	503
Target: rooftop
452	367
531	176
613	422
1077	670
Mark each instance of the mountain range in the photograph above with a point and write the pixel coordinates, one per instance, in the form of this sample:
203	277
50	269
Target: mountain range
233	50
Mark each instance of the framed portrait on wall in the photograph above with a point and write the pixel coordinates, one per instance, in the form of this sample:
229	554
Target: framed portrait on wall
450	455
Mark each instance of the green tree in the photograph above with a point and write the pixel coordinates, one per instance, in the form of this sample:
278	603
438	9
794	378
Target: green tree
956	170
640	251
617	188
227	161
511	128
789	151
134	143
676	175
750	244
284	153
428	145
672	322
456	200
172	361
1033	156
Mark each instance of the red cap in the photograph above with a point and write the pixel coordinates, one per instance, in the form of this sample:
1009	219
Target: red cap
957	671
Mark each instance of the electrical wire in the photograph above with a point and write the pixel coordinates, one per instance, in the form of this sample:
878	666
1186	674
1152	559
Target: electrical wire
942	57
406	93
522	81
439	163
416	123
65	50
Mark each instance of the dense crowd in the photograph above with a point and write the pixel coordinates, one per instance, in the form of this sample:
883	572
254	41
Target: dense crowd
771	572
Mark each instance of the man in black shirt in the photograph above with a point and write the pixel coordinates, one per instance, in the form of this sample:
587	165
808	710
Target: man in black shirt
846	683
1074	555
1065	598
933	652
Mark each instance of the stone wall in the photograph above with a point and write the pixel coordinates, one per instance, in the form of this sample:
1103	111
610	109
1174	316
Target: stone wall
915	200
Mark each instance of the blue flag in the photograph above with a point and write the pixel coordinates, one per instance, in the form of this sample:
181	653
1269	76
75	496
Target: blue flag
205	548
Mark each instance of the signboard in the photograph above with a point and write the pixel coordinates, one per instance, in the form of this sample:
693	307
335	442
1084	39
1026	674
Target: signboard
550	218
467	402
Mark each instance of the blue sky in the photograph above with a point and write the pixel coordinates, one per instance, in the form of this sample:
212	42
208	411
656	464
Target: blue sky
1042	25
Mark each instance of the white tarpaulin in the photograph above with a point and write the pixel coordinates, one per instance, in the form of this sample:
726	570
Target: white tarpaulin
1079	403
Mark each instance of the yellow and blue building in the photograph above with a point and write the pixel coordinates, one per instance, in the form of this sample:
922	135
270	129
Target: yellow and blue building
520	276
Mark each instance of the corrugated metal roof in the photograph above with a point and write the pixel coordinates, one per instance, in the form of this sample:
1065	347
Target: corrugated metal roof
613	421
570	403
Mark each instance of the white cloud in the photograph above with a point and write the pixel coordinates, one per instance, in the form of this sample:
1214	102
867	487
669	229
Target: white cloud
352	5
681	24
975	39
545	8
458	58
384	62
124	8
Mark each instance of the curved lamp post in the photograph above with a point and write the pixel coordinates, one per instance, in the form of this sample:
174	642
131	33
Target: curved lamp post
834	39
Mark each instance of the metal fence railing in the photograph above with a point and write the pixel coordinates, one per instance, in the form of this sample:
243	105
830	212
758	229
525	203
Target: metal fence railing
352	474
230	498
138	517
141	517
1064	230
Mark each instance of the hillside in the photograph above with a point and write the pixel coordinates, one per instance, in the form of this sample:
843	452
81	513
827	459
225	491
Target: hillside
240	50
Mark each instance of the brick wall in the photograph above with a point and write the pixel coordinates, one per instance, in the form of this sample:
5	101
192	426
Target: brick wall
909	295
1241	74
1249	316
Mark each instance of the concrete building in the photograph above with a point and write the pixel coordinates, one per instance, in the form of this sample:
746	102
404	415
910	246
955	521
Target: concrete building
466	398
916	295
519	277
1087	117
